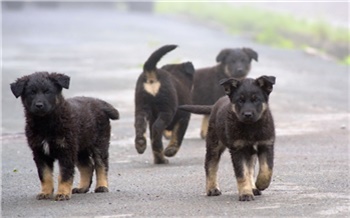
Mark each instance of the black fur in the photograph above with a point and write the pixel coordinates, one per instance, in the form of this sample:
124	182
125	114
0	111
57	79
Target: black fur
158	94
75	131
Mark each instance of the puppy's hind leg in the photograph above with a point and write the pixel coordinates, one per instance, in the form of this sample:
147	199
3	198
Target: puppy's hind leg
204	127
140	129
157	129
85	167
212	159
101	167
177	136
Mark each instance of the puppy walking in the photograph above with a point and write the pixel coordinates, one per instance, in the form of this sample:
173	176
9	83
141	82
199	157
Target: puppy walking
234	63
75	131
241	122
158	94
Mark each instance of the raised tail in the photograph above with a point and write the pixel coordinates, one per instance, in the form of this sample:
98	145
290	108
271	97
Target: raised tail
155	57
111	112
196	109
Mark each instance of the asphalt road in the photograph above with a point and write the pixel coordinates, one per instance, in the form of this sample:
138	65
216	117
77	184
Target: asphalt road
103	51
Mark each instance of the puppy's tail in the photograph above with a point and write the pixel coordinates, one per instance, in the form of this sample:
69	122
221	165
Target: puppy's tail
155	57
196	109
111	112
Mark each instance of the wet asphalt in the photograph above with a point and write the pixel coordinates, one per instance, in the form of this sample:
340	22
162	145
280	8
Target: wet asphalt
103	51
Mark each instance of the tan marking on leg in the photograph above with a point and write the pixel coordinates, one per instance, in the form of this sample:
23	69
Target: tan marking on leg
265	174
204	127
47	184
212	182
252	170
173	146
64	191
101	177
85	176
245	184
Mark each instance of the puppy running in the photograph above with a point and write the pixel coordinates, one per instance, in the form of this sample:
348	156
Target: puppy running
158	94
241	122
234	63
75	131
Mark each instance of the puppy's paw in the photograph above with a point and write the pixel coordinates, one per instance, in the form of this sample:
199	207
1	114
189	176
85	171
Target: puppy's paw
62	197
246	197
43	196
214	192
161	161
170	151
203	134
256	192
79	190
140	145
101	189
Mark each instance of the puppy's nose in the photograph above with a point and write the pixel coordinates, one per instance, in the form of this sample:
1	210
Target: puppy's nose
39	105
248	114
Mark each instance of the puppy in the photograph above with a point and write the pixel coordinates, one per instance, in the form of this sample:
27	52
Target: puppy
158	94
241	122
234	63
75	131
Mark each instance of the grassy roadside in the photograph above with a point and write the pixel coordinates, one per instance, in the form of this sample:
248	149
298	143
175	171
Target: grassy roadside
274	29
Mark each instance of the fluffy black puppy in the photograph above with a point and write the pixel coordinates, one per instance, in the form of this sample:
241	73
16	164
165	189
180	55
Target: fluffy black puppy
75	131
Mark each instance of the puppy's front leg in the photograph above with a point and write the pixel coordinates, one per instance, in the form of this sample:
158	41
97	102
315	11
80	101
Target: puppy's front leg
45	172
241	160
65	178
265	154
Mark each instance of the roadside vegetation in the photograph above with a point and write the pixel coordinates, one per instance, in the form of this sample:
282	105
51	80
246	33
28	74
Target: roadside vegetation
271	28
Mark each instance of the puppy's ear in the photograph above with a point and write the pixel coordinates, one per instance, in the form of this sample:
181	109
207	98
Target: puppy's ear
189	68
266	83
60	79
251	53
17	87
222	55
229	85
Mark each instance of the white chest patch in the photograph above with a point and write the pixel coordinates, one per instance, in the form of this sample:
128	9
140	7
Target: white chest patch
46	147
152	87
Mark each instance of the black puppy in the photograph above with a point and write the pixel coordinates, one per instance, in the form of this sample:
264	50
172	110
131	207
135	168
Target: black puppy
75	131
234	63
241	122
158	94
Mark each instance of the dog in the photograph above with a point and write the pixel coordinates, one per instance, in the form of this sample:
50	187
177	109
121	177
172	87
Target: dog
206	89
243	123
74	131
158	93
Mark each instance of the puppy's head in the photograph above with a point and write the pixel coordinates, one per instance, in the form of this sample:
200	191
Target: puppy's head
249	97
236	62
40	92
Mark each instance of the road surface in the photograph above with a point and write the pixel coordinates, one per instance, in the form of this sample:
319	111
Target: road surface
103	51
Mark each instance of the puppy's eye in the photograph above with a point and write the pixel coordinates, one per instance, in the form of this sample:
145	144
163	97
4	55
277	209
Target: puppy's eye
47	91
32	92
241	101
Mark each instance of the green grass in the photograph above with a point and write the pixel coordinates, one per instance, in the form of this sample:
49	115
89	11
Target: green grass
265	27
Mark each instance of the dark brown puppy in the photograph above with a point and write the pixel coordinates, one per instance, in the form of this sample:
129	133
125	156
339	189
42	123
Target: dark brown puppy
158	94
242	123
75	131
234	63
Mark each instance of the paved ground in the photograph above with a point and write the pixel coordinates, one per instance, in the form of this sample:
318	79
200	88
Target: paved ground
103	51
